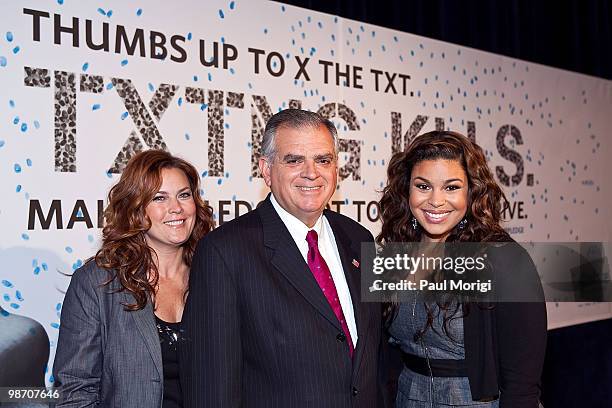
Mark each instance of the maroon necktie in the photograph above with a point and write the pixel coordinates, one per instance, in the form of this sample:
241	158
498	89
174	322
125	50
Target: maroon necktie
321	273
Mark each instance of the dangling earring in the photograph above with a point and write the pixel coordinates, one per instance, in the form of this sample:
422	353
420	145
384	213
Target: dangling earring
415	223
462	224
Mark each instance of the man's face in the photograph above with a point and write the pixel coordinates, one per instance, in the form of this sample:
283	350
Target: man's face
303	173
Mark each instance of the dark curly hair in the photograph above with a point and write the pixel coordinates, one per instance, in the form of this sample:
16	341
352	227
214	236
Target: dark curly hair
124	249
486	199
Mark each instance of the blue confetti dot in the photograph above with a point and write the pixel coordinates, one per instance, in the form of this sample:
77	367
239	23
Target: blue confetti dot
2	143
25	236
60	2
189	36
124	62
16	49
55	325
109	86
187	137
109	13
209	76
18	296
85	66
36	124
68	249
58	307
44	266
14	305
9	36
17	168
95	106
232	5
18	188
2	61
7	284
24	127
180	101
11	103
205	173
102	11
219	181
4	313
221	14
124	115
195	78
6	297
36	270
139	12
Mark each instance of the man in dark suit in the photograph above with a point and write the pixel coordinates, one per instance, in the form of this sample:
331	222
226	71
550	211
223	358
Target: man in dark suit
274	317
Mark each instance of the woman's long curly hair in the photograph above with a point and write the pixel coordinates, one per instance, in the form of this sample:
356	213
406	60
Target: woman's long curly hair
124	248
486	199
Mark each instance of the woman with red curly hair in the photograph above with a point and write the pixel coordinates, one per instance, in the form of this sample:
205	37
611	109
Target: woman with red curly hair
456	350
120	322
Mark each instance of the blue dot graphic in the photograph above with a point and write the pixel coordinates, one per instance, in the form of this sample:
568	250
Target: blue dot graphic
16	49
124	62
7	284
139	12
9	36
2	61
17	168
24	127
221	14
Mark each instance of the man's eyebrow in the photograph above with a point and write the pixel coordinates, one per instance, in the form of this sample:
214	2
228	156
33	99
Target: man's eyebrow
328	156
290	156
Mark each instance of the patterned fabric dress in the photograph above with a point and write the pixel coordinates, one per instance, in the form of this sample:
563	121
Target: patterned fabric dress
419	391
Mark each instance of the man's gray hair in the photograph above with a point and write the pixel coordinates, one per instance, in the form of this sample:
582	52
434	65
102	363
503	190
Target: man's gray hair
293	119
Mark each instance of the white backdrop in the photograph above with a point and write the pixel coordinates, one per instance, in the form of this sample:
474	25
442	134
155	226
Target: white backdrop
86	83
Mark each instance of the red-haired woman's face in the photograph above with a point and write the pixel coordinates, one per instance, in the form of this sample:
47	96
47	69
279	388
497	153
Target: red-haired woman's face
172	212
438	197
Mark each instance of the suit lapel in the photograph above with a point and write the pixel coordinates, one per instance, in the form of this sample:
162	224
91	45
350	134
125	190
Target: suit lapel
350	251
145	322
288	260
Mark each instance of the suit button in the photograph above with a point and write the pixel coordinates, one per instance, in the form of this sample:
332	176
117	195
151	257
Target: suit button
341	337
355	391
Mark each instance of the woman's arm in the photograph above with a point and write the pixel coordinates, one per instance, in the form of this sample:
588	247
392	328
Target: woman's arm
78	360
521	332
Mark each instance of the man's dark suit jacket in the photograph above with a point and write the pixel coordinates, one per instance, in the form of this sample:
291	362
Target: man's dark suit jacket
261	333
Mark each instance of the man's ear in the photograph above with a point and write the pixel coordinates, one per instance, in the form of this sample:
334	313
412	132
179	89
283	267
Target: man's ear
264	170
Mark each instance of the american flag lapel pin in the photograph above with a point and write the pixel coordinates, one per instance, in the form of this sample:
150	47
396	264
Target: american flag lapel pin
356	263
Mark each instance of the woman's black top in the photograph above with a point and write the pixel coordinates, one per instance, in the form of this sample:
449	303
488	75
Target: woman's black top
170	334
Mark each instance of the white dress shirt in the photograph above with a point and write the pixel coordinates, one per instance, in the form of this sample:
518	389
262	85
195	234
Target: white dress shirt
329	252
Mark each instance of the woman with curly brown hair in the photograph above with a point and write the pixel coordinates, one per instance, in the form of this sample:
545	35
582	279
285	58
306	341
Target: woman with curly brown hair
456	350
120	322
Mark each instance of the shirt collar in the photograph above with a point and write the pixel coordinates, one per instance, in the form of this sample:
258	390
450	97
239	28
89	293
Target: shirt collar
296	227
